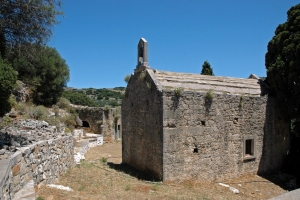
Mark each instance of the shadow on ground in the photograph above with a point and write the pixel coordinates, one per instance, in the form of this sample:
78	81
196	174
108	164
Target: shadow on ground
145	176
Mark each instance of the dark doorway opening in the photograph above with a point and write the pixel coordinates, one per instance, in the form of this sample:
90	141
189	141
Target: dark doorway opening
85	124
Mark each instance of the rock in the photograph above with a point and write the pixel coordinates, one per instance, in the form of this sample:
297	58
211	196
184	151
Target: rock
2	151
12	114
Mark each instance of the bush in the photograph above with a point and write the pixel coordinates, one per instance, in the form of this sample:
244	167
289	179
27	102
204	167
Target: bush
209	95
178	92
8	79
63	103
127	78
38	113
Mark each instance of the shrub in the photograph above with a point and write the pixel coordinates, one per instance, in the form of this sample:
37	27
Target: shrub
38	112
142	75
127	78
178	92
209	95
8	79
63	103
107	108
21	108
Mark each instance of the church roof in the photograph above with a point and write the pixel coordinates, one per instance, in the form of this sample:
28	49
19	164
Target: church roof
202	83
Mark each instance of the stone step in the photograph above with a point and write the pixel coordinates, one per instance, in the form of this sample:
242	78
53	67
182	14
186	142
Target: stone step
26	193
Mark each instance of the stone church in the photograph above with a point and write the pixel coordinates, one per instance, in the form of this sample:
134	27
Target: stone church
180	126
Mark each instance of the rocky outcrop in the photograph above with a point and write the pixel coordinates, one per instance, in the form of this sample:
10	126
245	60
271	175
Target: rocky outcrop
21	92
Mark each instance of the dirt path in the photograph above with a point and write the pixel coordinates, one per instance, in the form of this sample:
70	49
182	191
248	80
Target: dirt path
102	176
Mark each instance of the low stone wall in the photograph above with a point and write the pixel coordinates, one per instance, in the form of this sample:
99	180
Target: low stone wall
43	161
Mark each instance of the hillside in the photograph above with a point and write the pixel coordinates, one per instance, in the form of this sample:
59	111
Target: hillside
95	97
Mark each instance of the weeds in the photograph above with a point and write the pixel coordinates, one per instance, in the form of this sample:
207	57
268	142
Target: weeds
155	186
142	75
127	187
6	120
85	164
107	108
241	101
127	78
178	92
209	95
104	160
149	86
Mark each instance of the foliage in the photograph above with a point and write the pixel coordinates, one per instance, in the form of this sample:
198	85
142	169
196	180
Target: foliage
23	21
21	108
127	78
283	64
69	121
46	74
242	98
78	98
209	95
97	97
6	120
143	75
107	108
63	103
206	69
178	92
38	112
104	160
8	79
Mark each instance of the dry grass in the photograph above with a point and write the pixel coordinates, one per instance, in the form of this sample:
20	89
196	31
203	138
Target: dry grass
102	176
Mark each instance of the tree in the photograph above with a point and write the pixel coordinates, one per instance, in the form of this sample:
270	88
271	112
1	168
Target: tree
26	21
206	69
79	98
8	78
47	74
282	62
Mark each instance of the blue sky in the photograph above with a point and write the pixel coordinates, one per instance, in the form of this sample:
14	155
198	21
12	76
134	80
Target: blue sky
98	38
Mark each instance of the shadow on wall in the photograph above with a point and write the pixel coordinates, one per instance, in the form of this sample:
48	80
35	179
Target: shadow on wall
276	143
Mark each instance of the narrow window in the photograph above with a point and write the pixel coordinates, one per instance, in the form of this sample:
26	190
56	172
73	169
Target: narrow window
195	150
236	119
249	148
203	123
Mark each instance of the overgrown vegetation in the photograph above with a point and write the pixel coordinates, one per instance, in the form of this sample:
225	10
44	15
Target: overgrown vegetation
209	95
242	98
178	92
8	79
143	75
127	78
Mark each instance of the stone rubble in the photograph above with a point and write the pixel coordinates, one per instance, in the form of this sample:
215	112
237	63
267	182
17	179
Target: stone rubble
23	133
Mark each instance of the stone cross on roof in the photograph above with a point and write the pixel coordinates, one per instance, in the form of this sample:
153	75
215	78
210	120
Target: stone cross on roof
142	58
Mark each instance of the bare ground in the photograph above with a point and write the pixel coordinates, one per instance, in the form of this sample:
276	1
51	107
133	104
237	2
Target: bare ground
102	176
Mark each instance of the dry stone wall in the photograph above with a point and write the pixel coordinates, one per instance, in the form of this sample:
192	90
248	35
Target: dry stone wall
41	161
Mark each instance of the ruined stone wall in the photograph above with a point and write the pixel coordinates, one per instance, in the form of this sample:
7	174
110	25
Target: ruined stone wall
101	121
42	161
142	138
93	116
204	139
